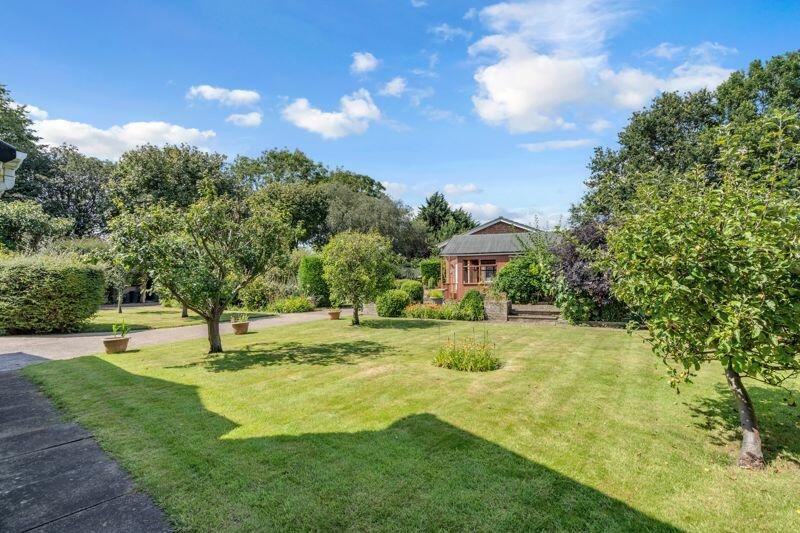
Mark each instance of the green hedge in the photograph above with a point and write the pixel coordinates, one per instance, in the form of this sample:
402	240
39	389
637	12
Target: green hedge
41	294
471	306
311	282
392	303
430	271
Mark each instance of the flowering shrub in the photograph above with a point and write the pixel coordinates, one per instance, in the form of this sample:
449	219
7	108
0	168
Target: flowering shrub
468	355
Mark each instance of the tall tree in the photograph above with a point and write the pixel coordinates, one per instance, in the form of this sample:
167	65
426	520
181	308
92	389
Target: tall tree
204	255
16	128
442	221
305	206
76	186
714	271
278	165
25	227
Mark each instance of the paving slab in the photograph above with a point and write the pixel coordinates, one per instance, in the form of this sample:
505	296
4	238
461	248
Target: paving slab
55	477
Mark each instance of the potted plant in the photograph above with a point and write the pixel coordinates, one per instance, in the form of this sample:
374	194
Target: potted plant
118	342
334	312
240	323
436	296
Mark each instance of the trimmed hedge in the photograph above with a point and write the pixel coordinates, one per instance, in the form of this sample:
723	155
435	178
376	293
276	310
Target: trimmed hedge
41	294
292	304
413	288
392	303
311	282
430	271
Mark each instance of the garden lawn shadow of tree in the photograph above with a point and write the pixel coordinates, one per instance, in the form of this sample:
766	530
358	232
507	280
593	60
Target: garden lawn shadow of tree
418	473
718	416
278	353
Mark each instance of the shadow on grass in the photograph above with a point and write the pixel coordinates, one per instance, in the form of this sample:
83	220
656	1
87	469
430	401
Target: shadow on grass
400	323
269	353
779	423
417	473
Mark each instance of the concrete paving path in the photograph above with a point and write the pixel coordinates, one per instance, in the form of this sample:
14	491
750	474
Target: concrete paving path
54	476
17	351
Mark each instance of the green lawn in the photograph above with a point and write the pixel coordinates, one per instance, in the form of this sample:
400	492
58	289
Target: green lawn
150	317
323	426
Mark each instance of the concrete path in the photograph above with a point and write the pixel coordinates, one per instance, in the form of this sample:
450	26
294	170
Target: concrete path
54	476
18	350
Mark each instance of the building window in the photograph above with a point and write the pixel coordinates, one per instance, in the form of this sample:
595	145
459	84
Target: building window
477	271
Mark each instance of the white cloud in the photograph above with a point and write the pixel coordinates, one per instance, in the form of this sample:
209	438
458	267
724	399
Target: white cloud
599	125
419	3
33	112
544	61
363	62
110	143
394	189
247	120
471	13
396	87
665	51
356	111
564	144
430	71
229	97
455	189
443	115
446	32
482	212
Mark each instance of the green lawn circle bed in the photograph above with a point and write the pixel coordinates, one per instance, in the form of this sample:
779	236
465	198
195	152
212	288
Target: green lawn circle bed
468	355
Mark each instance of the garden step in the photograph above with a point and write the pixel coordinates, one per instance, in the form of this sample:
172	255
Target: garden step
533	318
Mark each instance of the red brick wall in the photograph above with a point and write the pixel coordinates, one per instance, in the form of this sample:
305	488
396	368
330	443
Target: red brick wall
499	227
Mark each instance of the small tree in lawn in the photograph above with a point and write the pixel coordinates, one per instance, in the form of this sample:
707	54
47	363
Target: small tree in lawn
715	271
358	267
206	254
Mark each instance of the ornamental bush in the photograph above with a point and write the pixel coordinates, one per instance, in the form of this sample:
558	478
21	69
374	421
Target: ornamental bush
263	291
468	355
311	282
413	288
392	303
292	304
43	294
471	306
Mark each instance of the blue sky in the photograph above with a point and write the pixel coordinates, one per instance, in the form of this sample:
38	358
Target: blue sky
497	104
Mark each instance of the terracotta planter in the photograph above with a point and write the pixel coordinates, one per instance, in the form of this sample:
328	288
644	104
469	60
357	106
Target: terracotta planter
240	328
334	315
116	344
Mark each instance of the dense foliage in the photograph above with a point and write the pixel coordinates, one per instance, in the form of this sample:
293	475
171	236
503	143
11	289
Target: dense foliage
291	304
311	280
471	306
48	294
358	267
442	221
413	288
25	227
392	303
529	277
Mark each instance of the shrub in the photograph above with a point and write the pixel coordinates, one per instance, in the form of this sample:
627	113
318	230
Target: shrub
41	294
429	311
436	293
413	288
392	303
469	355
310	280
292	304
430	271
263	291
471	306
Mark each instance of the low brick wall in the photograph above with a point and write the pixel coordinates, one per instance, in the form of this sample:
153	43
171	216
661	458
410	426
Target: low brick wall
497	309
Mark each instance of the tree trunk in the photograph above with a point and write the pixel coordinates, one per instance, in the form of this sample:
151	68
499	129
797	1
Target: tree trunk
214	340
143	291
184	311
355	320
751	455
119	300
